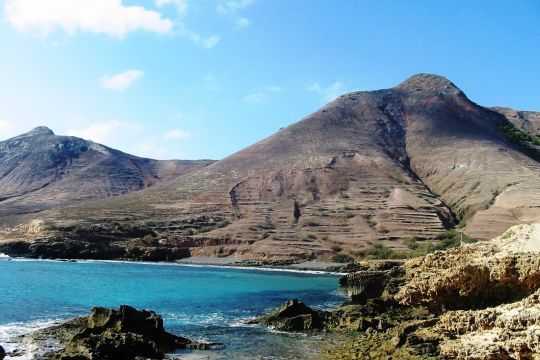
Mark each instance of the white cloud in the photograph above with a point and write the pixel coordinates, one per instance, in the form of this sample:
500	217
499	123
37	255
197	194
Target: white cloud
206	42
231	9
7	129
181	5
261	95
242	22
177	134
151	148
109	17
327	93
256	98
233	6
120	81
107	132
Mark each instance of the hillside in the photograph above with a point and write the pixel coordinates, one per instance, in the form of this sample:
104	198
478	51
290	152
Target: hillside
373	167
39	171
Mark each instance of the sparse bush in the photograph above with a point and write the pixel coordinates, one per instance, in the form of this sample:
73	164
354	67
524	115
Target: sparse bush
336	248
411	243
223	223
379	251
342	258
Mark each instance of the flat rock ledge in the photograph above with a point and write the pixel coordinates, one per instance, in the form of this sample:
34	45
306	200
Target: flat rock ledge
475	302
116	334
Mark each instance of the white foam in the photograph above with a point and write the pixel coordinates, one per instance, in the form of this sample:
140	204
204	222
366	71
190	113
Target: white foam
12	339
247	268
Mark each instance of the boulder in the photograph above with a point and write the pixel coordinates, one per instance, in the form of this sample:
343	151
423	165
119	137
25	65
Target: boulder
122	334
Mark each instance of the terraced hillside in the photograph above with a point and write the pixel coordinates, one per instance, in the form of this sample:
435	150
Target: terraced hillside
369	168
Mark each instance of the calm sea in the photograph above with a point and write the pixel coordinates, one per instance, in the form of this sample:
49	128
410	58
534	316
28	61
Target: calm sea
202	303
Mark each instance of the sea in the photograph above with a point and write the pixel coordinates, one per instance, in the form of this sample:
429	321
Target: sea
202	303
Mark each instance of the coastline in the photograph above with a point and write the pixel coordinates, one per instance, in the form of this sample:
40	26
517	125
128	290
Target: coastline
306	267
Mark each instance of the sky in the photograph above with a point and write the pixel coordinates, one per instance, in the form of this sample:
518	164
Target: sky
194	79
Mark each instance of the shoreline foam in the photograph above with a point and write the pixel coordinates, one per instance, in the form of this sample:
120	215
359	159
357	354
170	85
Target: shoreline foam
202	264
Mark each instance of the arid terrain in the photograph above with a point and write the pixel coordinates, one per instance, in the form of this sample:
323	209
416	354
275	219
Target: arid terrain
371	168
40	170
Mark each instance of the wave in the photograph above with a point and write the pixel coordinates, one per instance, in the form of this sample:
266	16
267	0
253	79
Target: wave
17	346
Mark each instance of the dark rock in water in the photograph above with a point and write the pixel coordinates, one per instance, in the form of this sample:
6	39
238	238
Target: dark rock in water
2	353
122	334
294	315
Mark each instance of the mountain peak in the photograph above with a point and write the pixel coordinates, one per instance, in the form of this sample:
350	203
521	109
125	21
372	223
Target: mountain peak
424	82
40	131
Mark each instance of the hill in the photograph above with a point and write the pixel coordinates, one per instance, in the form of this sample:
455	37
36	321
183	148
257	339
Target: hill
370	168
39	171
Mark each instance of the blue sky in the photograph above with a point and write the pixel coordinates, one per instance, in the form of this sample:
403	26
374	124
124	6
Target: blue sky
205	78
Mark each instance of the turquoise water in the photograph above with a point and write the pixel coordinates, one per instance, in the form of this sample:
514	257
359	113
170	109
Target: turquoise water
203	303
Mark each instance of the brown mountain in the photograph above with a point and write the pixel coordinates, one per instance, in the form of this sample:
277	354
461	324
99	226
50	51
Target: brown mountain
369	168
39	170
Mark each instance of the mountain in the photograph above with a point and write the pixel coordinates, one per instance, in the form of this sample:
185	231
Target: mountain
370	168
39	171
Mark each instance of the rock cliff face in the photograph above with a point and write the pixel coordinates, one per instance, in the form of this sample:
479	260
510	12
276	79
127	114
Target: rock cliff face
39	171
479	301
373	167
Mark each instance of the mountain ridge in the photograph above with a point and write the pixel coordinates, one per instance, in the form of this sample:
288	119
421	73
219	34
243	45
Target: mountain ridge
370	168
40	170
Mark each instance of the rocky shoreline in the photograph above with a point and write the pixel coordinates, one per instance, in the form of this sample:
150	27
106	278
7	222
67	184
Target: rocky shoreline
478	301
112	334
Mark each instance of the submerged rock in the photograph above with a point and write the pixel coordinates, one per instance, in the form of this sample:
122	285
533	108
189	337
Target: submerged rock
125	333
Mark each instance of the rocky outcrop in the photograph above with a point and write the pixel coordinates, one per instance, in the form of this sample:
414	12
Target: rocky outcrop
479	301
122	334
510	331
475	276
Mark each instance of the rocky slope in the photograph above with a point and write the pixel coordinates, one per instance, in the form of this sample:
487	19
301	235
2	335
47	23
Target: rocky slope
369	168
528	121
479	301
39	170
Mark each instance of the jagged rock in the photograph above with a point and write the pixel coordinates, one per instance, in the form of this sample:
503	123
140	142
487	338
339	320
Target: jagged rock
475	276
294	315
496	283
375	280
510	331
122	334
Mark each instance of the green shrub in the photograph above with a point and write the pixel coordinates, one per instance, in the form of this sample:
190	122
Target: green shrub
342	258
411	243
379	251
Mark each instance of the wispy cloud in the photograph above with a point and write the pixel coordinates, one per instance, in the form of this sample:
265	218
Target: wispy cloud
181	5
177	134
7	129
261	95
152	148
327	93
107	132
206	42
232	8
109	17
120	81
